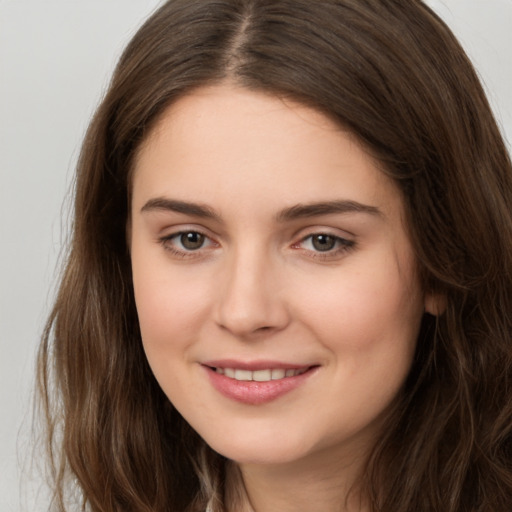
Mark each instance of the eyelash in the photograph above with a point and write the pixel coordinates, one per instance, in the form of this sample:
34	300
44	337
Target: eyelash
342	245
166	242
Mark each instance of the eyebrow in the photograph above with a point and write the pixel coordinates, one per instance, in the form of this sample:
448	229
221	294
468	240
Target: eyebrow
301	211
298	211
185	207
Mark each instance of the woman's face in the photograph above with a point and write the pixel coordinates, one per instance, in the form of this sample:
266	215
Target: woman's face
274	279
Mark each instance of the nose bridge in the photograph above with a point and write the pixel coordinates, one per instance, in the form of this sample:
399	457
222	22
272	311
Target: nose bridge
250	299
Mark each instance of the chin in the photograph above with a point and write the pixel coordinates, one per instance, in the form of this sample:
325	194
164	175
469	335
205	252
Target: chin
260	449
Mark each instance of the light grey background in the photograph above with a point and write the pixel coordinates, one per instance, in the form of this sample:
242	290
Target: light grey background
55	60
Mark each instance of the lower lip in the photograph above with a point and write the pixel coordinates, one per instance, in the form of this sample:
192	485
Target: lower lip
253	392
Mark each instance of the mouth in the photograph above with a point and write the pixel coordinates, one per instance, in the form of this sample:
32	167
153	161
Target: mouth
263	375
259	382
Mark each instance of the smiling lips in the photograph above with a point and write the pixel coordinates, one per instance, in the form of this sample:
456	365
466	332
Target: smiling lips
256	384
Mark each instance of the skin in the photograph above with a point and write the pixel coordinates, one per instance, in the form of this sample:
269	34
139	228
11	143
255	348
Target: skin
258	288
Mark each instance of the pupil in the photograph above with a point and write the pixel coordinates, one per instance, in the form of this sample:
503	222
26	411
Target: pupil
192	240
323	242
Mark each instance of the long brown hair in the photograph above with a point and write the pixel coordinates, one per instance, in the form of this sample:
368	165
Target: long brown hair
394	75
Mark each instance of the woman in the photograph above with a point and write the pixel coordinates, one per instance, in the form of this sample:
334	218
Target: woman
290	271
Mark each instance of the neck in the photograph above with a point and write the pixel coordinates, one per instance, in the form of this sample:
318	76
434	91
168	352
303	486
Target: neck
308	485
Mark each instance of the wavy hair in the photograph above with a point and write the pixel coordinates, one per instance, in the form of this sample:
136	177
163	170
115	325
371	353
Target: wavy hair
393	74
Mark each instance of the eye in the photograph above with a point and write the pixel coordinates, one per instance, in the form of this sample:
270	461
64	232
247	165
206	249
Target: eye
185	243
325	245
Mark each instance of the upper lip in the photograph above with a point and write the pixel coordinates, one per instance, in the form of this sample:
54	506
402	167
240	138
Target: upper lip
255	365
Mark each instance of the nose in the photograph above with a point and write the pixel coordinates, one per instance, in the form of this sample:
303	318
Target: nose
250	299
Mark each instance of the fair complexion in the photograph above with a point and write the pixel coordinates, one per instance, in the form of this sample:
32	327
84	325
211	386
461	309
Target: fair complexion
263	239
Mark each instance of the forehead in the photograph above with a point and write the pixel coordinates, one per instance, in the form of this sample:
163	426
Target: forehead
225	141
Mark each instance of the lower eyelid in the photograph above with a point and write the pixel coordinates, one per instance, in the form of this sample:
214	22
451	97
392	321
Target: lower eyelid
166	242
341	248
335	254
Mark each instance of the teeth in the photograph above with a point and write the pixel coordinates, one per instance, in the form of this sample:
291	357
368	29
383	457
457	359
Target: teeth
243	375
278	374
262	375
259	375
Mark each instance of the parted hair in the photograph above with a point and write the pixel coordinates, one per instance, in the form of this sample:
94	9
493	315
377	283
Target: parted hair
393	74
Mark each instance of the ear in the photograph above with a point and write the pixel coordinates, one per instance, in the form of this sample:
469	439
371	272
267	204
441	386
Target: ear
435	303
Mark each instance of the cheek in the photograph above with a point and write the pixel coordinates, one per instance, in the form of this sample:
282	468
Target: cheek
362	310
171	307
370	326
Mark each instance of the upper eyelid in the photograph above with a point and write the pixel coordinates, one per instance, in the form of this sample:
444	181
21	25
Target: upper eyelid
173	230
304	233
344	241
176	234
193	225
